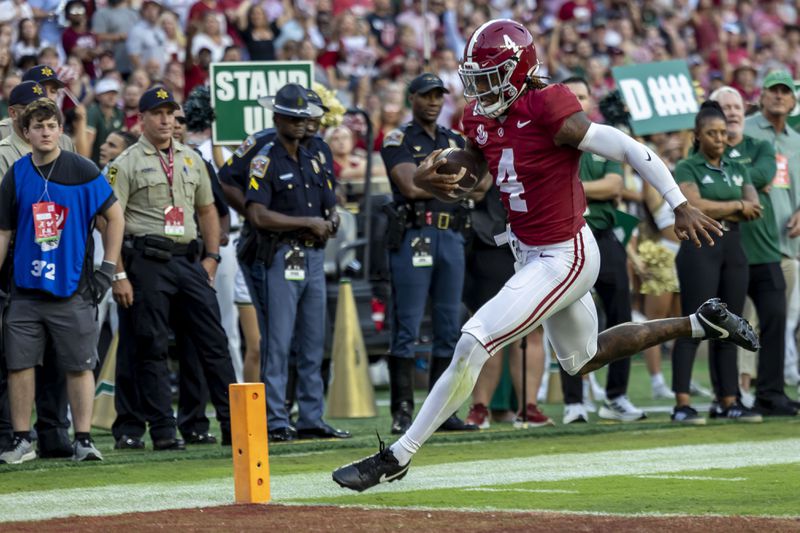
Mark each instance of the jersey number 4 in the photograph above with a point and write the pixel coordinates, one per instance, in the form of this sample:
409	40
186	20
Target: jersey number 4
508	183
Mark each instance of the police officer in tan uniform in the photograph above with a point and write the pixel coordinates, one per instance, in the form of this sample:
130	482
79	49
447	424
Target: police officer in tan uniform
48	80
161	184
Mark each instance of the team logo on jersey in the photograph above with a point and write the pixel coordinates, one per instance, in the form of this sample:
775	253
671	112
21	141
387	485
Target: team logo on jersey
734	153
738	180
245	146
707	180
482	137
258	166
501	132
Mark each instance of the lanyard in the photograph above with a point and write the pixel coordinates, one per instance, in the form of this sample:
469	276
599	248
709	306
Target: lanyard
169	170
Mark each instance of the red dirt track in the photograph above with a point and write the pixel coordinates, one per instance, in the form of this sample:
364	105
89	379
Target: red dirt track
235	518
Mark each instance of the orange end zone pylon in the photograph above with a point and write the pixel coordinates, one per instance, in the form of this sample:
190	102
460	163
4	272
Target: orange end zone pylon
249	440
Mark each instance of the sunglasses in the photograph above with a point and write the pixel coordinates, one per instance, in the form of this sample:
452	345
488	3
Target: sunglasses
181	120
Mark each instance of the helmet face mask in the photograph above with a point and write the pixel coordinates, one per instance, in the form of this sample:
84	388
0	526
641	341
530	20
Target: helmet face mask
499	59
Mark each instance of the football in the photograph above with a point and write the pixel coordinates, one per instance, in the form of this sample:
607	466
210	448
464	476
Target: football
463	164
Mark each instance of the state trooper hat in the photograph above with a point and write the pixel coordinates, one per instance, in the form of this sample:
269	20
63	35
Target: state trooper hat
425	83
314	98
25	93
42	74
292	101
156	97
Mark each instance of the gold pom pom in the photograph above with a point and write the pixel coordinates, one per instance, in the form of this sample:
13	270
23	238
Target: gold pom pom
336	110
659	261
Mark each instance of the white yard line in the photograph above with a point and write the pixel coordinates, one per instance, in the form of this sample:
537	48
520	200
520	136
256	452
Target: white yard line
692	478
115	499
537	491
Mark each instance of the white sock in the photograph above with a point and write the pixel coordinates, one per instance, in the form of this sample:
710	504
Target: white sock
451	390
697	329
657	379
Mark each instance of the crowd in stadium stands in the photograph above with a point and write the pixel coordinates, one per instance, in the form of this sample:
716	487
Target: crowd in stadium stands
103	57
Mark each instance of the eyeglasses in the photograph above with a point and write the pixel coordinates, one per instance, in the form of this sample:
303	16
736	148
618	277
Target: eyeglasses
181	120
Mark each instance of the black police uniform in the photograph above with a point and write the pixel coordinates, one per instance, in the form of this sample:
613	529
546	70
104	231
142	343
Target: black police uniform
426	259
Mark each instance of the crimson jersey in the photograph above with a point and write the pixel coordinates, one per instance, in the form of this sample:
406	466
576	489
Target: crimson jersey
538	181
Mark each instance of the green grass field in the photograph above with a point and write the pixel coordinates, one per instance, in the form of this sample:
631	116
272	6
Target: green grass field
647	467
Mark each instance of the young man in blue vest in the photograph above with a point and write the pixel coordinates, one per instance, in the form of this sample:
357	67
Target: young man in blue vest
49	199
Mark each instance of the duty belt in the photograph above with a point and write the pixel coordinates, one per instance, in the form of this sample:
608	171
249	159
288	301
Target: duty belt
139	243
446	220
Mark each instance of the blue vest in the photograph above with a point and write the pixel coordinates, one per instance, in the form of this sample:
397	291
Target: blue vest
54	267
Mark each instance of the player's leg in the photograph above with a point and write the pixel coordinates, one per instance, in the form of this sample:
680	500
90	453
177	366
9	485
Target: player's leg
546	284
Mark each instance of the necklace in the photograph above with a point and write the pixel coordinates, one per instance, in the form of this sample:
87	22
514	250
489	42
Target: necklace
49	173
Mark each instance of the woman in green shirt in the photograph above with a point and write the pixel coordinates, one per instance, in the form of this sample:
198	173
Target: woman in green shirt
722	189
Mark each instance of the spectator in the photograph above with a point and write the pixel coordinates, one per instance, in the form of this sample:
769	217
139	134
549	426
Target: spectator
424	25
722	190
104	116
259	34
77	40
9	82
46	13
81	85
141	78
130	107
112	24
15	10
211	37
147	40
6	62
382	24
116	142
175	45
174	80
59	305
196	69
347	166
28	41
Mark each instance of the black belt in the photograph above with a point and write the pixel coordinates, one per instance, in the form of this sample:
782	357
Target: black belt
167	244
308	243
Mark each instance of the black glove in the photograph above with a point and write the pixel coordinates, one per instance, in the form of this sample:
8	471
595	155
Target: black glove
102	279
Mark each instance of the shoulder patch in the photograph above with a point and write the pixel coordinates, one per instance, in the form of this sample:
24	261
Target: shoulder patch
245	146
258	167
112	175
393	138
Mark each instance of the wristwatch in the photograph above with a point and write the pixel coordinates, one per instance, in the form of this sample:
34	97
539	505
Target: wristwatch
215	257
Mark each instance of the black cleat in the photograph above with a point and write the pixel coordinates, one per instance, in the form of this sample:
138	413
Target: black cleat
382	467
721	324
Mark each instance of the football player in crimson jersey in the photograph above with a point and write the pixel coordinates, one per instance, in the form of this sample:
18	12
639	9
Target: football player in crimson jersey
529	138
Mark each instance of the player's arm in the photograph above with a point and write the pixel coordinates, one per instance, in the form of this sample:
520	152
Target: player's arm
402	174
441	186
580	132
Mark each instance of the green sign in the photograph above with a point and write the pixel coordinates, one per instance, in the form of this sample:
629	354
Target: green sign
236	88
659	96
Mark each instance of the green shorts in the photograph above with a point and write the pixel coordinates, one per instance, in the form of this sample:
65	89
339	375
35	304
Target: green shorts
70	324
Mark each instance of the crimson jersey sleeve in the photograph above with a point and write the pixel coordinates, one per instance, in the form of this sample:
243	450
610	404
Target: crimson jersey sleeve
555	104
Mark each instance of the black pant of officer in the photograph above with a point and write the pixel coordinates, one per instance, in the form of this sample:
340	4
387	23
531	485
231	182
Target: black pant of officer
159	286
52	424
614	292
711	271
193	395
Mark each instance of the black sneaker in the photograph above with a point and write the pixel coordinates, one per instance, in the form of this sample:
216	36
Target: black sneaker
382	467
737	411
401	419
687	415
721	324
